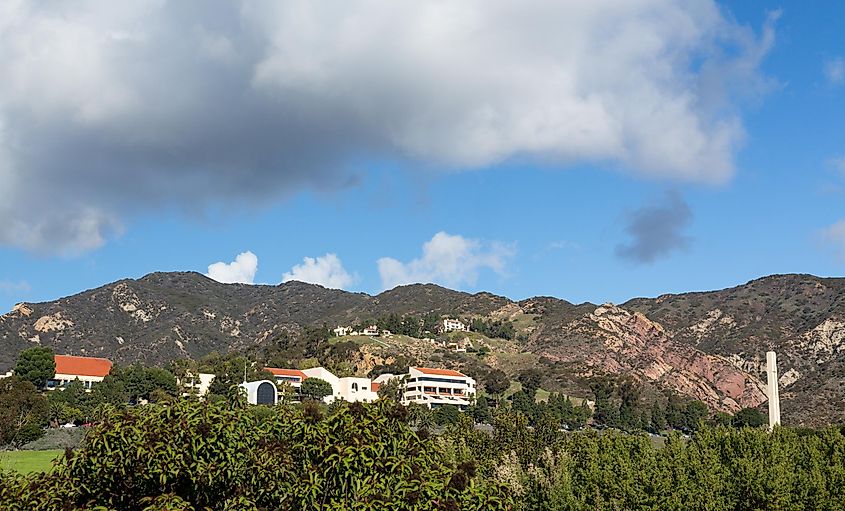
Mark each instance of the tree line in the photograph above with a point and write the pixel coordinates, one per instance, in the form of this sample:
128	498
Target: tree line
225	455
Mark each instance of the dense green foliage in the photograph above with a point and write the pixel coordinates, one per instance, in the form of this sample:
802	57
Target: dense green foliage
228	370
223	457
36	365
496	382
315	388
23	411
717	469
493	328
122	386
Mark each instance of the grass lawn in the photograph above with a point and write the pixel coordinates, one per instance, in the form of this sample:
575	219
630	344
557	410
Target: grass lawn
26	462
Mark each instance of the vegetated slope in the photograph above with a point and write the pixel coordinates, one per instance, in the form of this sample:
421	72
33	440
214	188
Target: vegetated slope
710	346
802	317
164	316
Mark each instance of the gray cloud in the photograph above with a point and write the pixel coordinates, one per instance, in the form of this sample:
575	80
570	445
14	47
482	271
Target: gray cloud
656	230
112	109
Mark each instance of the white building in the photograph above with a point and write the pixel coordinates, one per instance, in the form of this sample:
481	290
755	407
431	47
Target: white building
88	370
261	392
292	377
434	387
197	384
454	325
342	330
371	331
348	388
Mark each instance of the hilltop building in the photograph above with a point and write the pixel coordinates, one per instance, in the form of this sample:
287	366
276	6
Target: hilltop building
88	370
454	325
434	387
371	331
342	330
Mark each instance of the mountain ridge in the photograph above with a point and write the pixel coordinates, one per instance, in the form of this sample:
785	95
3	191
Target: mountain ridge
709	345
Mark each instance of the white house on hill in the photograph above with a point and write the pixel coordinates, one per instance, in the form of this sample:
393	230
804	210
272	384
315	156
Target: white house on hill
342	330
348	388
454	325
371	331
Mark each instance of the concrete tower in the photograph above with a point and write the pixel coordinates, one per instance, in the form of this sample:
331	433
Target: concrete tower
772	389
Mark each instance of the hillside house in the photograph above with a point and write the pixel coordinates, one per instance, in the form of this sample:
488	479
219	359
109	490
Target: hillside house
342	330
88	370
454	325
371	331
434	387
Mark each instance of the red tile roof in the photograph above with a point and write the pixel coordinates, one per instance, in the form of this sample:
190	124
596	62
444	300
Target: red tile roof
82	366
287	372
439	372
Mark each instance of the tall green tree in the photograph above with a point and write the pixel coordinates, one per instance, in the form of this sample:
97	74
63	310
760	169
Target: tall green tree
496	382
447	415
315	388
607	412
36	365
750	417
531	379
23	411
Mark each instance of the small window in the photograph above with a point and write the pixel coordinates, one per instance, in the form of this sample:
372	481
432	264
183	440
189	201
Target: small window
354	387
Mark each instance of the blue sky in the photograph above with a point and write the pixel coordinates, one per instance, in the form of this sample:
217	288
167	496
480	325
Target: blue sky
113	176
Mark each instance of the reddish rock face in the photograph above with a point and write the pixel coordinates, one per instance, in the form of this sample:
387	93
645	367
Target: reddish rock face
632	344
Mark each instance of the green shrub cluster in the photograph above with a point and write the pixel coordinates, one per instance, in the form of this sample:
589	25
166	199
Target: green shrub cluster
718	468
223	456
205	456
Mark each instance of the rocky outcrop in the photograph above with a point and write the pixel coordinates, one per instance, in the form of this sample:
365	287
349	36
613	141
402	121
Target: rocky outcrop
824	341
636	345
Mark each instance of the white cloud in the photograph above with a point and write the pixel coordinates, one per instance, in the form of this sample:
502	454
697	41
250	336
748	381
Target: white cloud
108	109
326	271
449	260
834	71
241	270
835	237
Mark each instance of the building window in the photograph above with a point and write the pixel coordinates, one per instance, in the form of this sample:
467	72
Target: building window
354	387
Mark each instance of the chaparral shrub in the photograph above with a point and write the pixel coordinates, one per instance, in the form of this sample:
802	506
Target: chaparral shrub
206	456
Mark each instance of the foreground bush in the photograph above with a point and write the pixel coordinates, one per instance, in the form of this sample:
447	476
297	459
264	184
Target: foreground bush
718	469
195	456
